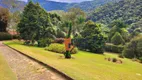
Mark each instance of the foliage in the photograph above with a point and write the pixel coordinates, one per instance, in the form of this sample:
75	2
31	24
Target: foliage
45	42
92	38
117	39
4	18
134	48
5	36
114	48
59	40
136	29
60	34
120	27
85	6
128	11
36	23
59	48
77	17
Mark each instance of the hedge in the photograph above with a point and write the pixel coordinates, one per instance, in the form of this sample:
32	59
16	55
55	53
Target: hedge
59	48
5	36
114	48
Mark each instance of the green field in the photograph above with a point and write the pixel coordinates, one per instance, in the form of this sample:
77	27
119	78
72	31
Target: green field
85	65
5	71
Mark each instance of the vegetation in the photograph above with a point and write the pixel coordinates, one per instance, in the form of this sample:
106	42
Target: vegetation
6	72
4	18
117	39
36	24
114	48
85	65
134	48
5	36
85	6
59	48
91	38
127	11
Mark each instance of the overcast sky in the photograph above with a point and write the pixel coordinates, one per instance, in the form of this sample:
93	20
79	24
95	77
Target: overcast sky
69	1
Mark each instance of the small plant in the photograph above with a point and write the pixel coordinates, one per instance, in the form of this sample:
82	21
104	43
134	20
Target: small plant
114	59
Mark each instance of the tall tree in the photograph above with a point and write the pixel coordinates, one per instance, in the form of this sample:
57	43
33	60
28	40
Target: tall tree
35	23
4	18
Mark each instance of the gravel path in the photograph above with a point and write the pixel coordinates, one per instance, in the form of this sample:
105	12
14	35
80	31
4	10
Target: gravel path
25	68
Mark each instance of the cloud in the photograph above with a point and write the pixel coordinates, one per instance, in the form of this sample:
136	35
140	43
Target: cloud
24	0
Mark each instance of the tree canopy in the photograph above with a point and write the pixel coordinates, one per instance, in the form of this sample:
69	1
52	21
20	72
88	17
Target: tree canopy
4	18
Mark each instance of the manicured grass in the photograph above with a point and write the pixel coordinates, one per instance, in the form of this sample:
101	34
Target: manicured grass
85	65
5	71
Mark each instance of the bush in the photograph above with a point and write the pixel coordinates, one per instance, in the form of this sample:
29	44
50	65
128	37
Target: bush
114	59
114	48
59	48
44	42
5	36
134	48
117	39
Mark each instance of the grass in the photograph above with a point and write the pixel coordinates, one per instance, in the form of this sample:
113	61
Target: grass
5	71
85	65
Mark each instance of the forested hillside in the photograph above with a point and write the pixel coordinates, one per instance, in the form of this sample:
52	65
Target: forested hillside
86	6
128	11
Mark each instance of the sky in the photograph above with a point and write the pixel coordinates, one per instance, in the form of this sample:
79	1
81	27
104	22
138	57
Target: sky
68	1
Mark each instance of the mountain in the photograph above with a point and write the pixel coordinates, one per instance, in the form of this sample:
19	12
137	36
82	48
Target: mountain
52	5
90	5
86	6
13	5
129	11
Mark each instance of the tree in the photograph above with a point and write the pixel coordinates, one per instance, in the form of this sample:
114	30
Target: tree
118	26
77	18
92	38
4	18
35	23
117	39
134	48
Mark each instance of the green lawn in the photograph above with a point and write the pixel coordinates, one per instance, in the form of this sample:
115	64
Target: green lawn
85	65
5	71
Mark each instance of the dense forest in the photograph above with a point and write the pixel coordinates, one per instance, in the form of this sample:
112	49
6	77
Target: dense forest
52	5
128	11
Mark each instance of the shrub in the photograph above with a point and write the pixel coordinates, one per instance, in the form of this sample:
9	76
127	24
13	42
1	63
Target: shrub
114	59
117	39
59	48
114	48
5	36
44	42
134	48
